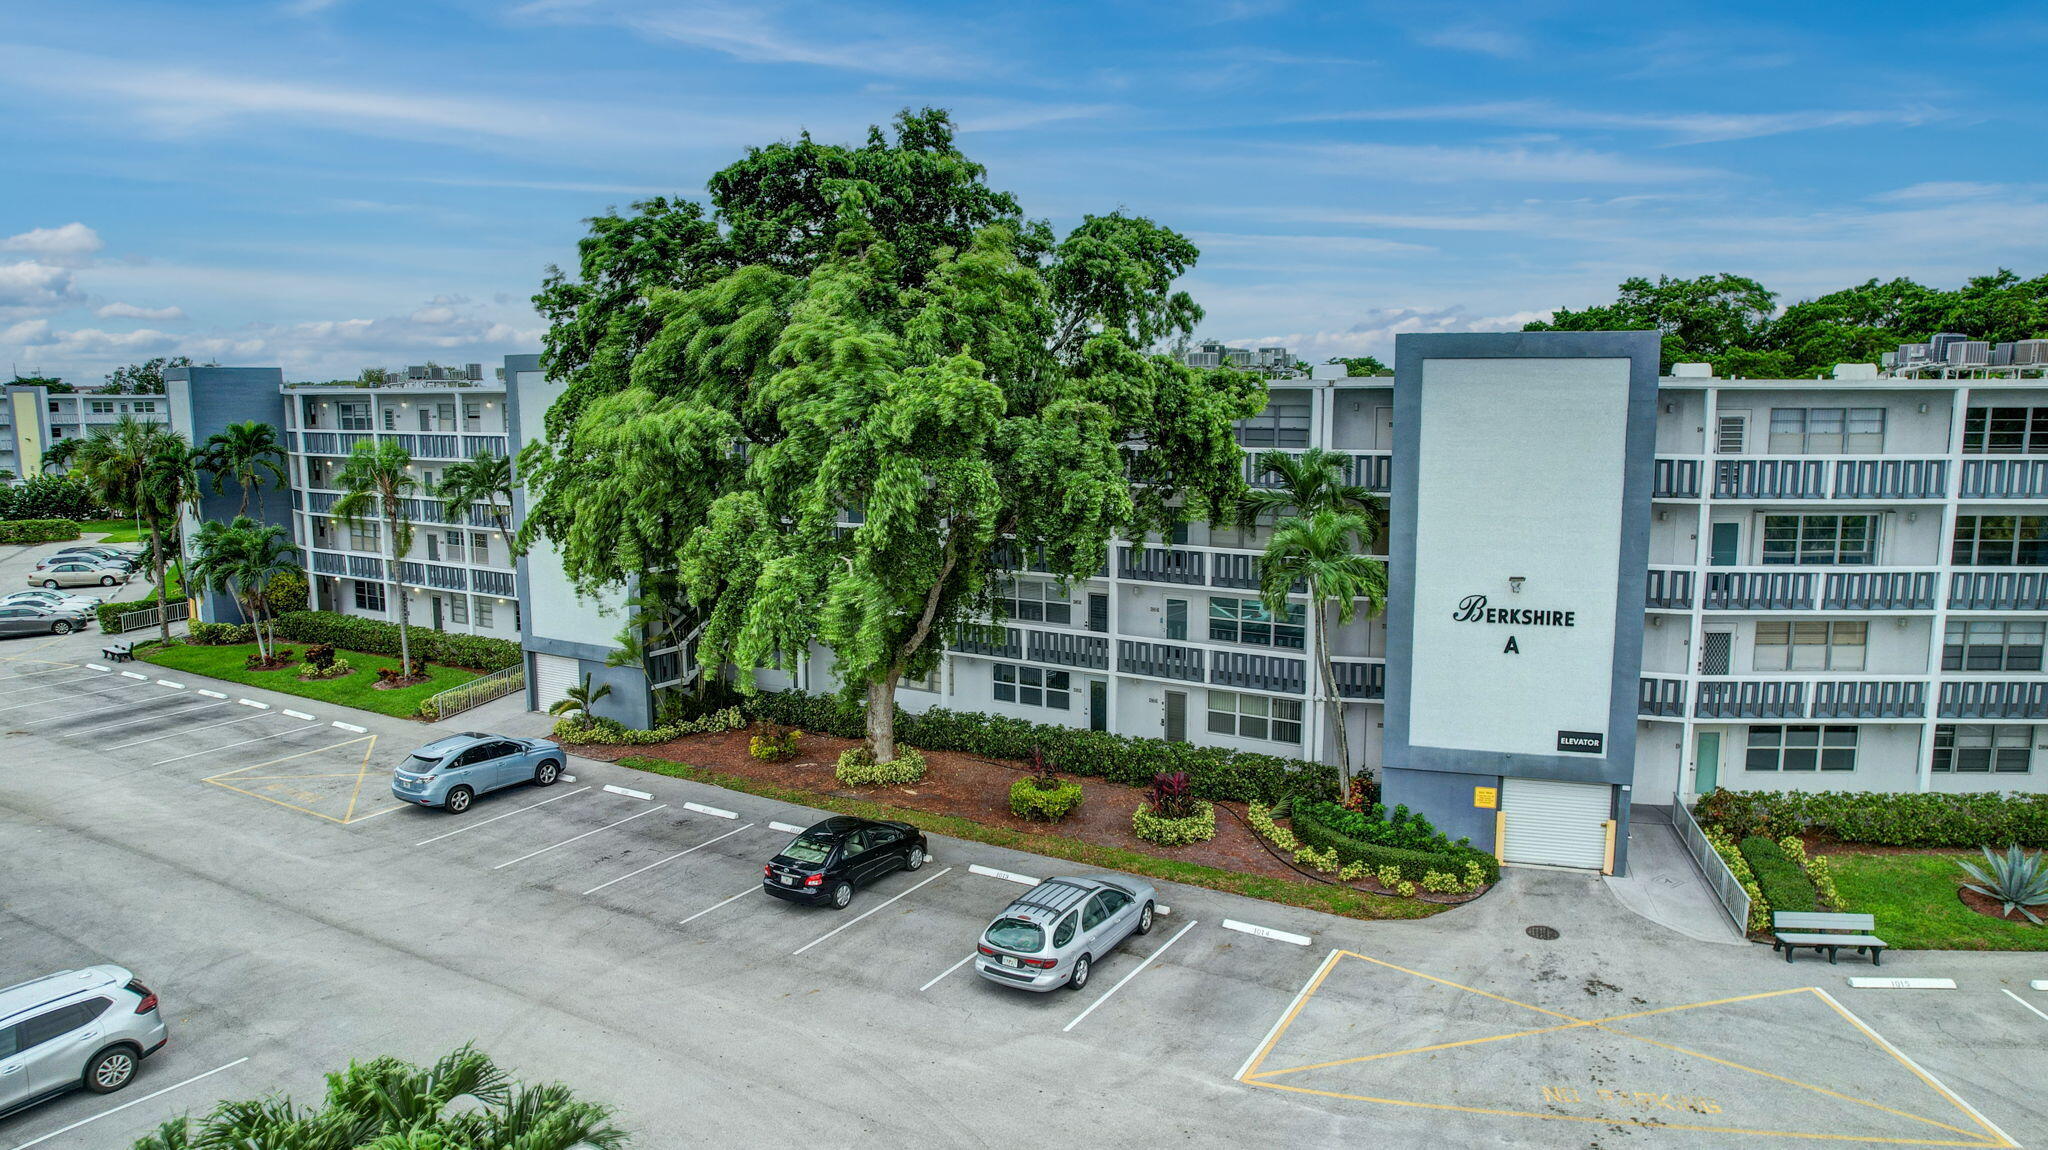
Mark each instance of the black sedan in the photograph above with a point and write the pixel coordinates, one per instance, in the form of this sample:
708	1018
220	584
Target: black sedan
825	864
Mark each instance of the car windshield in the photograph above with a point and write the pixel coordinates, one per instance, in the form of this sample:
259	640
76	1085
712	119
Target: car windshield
418	764
1016	934
808	848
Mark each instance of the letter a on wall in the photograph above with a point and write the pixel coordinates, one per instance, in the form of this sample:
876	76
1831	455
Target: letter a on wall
1513	648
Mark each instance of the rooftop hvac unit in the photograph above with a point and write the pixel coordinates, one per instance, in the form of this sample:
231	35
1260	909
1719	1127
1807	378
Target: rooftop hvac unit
2030	352
1889	359
2001	355
476	371
1969	353
1939	342
1912	355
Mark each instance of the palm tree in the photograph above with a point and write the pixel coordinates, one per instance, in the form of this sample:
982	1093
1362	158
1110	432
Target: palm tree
245	452
146	469
389	1104
60	454
578	700
483	478
240	559
1325	552
377	481
1309	482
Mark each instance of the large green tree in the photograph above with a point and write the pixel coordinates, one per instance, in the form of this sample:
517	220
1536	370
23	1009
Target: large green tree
482	479
148	471
870	329
145	378
247	453
240	558
1700	318
1325	552
377	489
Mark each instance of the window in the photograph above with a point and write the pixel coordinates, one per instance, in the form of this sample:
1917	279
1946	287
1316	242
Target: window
1981	750
102	406
1178	534
1827	430
1248	621
53	407
1064	932
1096	913
426	418
354	416
1031	686
2000	541
1176	618
444	416
369	596
480	549
483	612
391	419
1114	900
1284	423
146	407
1808	540
1810	646
364	537
1731	431
1033	600
1801	748
471	414
1255	716
930	681
1992	645
433	547
2005	431
458	609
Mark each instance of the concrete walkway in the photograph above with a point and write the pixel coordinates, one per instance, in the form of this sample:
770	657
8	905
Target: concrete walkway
1664	886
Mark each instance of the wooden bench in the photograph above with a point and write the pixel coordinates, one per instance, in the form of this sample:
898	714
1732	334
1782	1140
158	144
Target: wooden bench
1830	932
118	652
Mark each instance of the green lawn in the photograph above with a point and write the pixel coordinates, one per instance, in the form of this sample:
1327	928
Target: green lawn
113	530
1914	899
353	690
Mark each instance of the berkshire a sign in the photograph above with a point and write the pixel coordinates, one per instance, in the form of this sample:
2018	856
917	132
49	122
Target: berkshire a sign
1473	609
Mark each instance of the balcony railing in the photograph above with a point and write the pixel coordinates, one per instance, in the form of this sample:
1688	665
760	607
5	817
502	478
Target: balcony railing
1360	680
1879	591
1675	479
1759	590
328	563
1891	479
1258	672
1001	642
1661	697
495	583
1372	470
485	444
446	578
2005	479
1668	588
1770	479
1750	699
1240	571
1869	699
320	443
1160	660
1160	565
1998	591
440	447
1874	477
2021	699
1067	649
365	567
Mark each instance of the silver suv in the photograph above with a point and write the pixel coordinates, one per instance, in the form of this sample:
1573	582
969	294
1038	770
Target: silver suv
1054	934
86	1028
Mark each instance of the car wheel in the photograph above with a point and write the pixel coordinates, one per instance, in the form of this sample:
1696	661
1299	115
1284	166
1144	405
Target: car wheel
842	895
915	860
107	580
1145	920
61	627
50	583
546	774
110	1070
458	800
1079	978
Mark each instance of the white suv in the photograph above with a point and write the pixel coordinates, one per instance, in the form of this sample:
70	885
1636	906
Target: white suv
86	1028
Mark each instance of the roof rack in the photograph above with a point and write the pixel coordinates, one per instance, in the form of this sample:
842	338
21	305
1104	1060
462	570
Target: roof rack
1053	896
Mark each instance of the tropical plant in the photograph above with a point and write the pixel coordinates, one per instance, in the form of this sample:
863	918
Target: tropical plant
390	1104
377	483
579	698
240	558
1307	482
58	456
775	746
2016	880
147	470
246	453
483	478
1171	796
1325	553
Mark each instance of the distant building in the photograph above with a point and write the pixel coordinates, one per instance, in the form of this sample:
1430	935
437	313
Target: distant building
34	419
1273	362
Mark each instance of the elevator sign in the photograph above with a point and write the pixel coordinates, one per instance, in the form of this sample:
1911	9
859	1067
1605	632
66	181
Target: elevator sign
1581	742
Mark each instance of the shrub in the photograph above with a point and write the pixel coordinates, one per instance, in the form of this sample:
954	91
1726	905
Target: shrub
111	615
1889	819
286	591
774	748
1759	906
1168	831
1818	870
376	637
278	657
610	732
1216	774
857	767
2015	879
1785	886
50	497
37	530
1031	800
335	669
320	656
218	634
1406	863
1171	796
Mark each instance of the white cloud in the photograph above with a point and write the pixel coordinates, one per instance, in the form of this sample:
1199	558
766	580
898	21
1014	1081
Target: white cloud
1683	127
90	342
751	32
1485	39
28	288
118	310
1434	163
71	244
1374	334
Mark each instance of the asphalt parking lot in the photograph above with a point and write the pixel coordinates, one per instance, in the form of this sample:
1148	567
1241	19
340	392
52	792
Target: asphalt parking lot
244	856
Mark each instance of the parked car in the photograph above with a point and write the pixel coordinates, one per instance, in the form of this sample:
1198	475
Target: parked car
75	1029
450	773
1053	934
77	574
23	619
96	551
41	598
827	862
119	563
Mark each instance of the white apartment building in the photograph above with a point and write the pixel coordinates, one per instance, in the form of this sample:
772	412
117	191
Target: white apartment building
34	419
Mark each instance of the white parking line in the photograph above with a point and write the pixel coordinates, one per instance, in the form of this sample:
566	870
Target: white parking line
299	715
1916	1068
864	914
134	675
168	683
168	734
2025	1003
1149	960
211	694
145	718
629	794
671	858
243	743
1010	876
130	1102
1261	931
249	703
716	905
47	702
584	835
364	730
948	970
495	818
788	828
1307	985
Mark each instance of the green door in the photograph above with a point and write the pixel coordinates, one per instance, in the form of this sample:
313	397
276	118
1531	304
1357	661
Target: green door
1706	773
1726	549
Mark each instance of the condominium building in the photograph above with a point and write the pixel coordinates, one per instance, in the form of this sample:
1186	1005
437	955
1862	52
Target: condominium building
34	419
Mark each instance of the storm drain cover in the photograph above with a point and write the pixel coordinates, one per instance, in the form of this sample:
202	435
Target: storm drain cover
1546	933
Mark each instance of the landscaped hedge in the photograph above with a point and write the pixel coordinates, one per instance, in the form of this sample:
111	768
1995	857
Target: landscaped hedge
1907	820
50	497
1217	774
37	530
1784	885
376	637
218	634
1414	865
110	613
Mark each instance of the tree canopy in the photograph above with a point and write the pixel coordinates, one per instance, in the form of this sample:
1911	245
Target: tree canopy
145	378
868	329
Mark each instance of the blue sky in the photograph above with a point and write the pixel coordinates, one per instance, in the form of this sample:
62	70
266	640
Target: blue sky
330	184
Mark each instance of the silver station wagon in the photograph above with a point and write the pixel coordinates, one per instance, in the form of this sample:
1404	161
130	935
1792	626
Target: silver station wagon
1054	934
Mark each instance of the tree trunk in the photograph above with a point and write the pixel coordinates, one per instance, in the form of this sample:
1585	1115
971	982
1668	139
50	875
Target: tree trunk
156	554
398	589
1336	699
244	508
882	718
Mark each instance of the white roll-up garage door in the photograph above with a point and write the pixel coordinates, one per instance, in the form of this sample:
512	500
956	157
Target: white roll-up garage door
553	675
1555	824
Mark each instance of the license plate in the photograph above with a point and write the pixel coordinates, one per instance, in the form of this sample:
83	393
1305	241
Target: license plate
1009	961
787	881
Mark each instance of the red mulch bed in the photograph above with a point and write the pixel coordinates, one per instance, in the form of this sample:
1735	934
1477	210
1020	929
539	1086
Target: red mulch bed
971	787
1989	907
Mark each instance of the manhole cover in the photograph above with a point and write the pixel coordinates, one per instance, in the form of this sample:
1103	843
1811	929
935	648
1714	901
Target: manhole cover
1546	933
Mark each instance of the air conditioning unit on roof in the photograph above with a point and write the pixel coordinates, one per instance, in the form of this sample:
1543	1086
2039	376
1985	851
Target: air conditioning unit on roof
2030	352
2001	355
1969	353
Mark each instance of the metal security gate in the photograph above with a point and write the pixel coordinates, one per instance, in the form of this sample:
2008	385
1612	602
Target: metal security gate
553	675
1555	824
